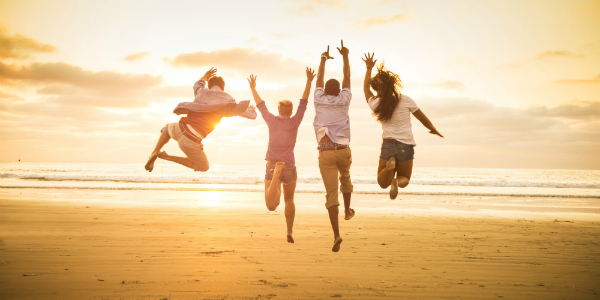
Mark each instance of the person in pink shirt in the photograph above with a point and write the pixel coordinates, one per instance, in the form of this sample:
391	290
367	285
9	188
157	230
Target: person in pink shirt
281	164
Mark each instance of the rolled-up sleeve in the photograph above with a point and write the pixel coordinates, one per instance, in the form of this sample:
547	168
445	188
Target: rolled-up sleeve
198	85
241	110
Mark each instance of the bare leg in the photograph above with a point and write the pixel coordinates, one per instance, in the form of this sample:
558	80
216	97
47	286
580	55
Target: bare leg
403	173
290	208
273	190
333	218
349	212
385	172
385	176
180	160
162	140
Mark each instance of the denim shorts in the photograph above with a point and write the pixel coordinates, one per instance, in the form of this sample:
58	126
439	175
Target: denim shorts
287	176
402	152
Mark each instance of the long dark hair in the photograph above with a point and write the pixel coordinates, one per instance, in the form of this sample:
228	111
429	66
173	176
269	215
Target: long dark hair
388	85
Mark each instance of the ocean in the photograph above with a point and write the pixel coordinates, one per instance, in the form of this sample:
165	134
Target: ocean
425	181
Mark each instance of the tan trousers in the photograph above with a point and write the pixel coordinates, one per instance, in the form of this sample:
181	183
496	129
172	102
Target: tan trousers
335	164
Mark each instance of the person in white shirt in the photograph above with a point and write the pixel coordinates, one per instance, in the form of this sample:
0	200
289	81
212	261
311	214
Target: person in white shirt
332	129
393	110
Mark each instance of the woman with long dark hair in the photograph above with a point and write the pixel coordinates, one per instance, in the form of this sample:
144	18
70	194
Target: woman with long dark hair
393	109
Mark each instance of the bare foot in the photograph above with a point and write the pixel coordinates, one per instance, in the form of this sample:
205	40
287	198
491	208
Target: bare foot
349	214
279	166
150	164
290	239
394	189
336	244
391	164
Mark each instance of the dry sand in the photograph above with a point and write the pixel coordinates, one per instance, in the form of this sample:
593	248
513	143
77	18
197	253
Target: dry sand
74	244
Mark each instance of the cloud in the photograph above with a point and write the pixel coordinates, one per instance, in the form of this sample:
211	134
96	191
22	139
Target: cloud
593	80
11	97
107	82
310	6
461	60
559	54
304	10
19	47
136	56
382	20
577	110
449	85
511	66
330	3
439	84
243	61
280	35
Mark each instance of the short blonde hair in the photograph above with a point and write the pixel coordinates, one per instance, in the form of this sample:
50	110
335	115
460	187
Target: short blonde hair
285	108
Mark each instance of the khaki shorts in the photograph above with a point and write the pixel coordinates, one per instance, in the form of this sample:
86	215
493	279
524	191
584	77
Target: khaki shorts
193	150
335	164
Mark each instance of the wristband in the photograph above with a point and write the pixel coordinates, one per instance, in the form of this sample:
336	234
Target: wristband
324	56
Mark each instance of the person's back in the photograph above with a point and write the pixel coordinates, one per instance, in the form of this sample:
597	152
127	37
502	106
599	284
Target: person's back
203	115
332	130
283	131
331	114
399	126
281	164
393	110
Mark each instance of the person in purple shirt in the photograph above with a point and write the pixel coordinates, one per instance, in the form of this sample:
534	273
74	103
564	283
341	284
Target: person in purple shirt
281	166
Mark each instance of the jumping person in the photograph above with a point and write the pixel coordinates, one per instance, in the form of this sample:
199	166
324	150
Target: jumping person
281	165
332	129
393	109
203	115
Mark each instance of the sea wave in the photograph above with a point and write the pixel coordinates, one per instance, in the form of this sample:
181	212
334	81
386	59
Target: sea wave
256	180
225	188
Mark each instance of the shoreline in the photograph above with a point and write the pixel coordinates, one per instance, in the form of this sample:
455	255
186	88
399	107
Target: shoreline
260	188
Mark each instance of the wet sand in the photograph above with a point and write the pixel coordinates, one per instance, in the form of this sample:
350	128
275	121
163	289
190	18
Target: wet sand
101	244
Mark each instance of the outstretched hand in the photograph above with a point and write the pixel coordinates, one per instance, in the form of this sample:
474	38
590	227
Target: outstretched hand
344	51
369	60
326	54
252	81
310	74
210	73
435	132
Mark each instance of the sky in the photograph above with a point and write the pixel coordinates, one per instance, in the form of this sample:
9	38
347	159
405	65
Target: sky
510	84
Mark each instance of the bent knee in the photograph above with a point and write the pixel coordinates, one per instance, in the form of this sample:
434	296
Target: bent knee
271	207
384	185
201	168
403	184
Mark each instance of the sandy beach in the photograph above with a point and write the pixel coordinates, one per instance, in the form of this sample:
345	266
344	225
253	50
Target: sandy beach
99	244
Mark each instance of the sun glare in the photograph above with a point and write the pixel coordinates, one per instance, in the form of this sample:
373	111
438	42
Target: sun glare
212	198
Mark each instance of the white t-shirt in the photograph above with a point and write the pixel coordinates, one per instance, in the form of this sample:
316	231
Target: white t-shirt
399	126
331	116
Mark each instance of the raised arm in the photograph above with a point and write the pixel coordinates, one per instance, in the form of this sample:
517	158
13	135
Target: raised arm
252	82
200	84
321	74
367	84
344	52
425	121
260	104
310	75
